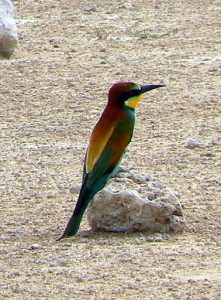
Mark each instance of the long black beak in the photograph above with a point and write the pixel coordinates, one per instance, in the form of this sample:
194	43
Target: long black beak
146	88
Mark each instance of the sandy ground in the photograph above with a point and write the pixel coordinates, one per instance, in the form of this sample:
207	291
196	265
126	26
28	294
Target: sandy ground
52	92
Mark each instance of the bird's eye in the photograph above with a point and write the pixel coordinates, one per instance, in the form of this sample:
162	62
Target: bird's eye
130	94
133	93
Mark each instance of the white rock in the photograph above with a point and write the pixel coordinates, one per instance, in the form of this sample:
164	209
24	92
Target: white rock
8	28
126	211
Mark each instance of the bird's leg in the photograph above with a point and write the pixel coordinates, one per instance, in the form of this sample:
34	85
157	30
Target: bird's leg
119	171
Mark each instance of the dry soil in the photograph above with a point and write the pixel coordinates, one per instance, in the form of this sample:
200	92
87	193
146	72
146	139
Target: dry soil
52	91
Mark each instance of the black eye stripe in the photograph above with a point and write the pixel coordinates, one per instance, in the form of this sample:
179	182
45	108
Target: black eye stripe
129	94
133	93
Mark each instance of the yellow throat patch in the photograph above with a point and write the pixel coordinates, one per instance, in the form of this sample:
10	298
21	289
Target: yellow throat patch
132	102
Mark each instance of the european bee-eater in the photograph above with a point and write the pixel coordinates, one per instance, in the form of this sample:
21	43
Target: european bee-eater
108	141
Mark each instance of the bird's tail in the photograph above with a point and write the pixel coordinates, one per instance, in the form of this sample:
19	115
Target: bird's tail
72	227
74	223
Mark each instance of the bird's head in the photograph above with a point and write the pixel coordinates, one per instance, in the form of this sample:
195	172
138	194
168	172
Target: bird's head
128	93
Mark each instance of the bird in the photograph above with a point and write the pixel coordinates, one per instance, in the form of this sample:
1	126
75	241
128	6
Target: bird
108	141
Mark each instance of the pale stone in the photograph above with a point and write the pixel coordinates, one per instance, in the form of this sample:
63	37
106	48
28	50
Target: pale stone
8	28
117	208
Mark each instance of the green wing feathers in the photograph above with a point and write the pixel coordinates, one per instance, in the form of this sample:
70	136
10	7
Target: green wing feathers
102	160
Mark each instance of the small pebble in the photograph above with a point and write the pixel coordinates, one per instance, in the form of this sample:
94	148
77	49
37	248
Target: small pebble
191	144
212	69
151	196
16	230
59	263
35	246
3	251
90	9
209	154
